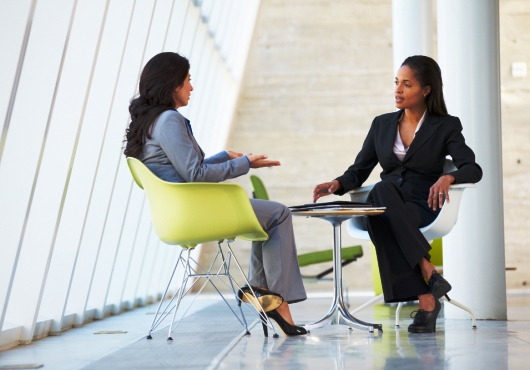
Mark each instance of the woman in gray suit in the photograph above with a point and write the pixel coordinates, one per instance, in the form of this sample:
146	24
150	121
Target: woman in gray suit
410	145
163	139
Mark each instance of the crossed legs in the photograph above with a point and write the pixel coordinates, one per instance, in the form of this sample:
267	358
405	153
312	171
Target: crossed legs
402	250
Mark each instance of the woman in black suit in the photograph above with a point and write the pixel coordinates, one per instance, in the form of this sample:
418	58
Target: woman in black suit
410	145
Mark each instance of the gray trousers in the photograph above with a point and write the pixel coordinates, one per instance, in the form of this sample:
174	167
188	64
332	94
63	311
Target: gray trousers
274	262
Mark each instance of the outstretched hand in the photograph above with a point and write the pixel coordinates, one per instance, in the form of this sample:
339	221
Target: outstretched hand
260	160
439	190
233	154
326	188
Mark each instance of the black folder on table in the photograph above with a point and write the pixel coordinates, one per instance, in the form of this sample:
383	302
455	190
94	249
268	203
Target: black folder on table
340	204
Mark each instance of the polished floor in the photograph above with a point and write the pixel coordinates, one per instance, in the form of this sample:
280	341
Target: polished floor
494	345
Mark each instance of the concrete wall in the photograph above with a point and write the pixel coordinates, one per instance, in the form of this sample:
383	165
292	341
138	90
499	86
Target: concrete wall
317	74
515	93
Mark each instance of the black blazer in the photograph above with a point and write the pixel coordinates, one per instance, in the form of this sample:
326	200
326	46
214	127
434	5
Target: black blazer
423	164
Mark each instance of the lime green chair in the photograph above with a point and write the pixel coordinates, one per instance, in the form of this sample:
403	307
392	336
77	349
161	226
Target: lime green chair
188	214
349	254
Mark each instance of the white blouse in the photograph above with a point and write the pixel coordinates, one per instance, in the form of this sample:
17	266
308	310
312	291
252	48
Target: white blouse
399	148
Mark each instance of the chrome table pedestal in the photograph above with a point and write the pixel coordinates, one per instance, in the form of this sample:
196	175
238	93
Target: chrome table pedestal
338	313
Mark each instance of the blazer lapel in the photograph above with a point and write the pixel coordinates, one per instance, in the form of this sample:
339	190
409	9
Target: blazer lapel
192	137
427	129
390	136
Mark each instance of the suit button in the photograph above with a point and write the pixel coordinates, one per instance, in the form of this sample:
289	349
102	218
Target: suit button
402	167
400	180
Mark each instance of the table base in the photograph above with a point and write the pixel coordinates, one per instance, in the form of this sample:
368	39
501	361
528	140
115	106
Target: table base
338	314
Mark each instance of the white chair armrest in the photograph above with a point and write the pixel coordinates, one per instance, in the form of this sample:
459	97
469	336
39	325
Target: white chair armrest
354	224
360	194
437	229
447	217
362	189
462	186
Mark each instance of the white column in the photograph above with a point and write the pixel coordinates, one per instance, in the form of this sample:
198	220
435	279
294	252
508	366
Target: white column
412	29
468	53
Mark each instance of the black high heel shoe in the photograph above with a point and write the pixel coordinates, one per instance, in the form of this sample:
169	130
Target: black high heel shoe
439	286
425	321
287	328
267	299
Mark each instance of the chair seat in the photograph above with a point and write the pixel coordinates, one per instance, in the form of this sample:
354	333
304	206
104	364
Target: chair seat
348	253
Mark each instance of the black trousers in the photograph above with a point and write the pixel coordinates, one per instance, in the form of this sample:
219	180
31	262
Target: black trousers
399	244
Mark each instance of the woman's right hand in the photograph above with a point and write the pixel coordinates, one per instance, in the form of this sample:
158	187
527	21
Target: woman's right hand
260	160
326	188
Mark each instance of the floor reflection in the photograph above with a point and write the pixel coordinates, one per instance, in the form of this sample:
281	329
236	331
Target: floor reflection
454	345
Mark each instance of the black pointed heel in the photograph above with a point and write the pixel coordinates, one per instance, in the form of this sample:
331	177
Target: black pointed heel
267	299
287	328
439	286
425	321
265	329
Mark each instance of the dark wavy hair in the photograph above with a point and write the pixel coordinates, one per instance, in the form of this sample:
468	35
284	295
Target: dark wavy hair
428	73
162	74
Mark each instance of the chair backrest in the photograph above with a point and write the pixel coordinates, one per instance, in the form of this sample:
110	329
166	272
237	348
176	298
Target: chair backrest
188	214
259	190
440	227
449	166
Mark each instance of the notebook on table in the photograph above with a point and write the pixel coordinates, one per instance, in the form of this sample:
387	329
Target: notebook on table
336	205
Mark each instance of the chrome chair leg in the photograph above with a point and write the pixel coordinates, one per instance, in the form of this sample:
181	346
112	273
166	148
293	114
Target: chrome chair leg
367	304
179	299
398	310
153	325
460	305
263	317
227	271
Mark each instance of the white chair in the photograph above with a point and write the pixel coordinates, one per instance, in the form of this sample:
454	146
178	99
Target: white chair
440	227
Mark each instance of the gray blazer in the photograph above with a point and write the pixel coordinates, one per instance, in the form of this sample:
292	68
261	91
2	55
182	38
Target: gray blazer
174	155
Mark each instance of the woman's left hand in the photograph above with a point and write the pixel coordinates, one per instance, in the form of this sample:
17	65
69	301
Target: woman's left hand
233	154
438	191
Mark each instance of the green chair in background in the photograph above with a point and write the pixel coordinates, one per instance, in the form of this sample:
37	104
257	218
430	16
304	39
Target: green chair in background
258	189
189	214
349	254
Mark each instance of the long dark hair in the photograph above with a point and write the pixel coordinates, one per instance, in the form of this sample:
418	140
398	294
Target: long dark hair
428	73
162	74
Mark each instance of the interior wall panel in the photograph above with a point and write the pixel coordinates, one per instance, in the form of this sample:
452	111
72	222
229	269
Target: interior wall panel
137	259
152	254
186	42
15	20
160	266
196	59
204	76
155	44
75	230
176	25
87	193
113	179
22	157
117	270
59	155
193	17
